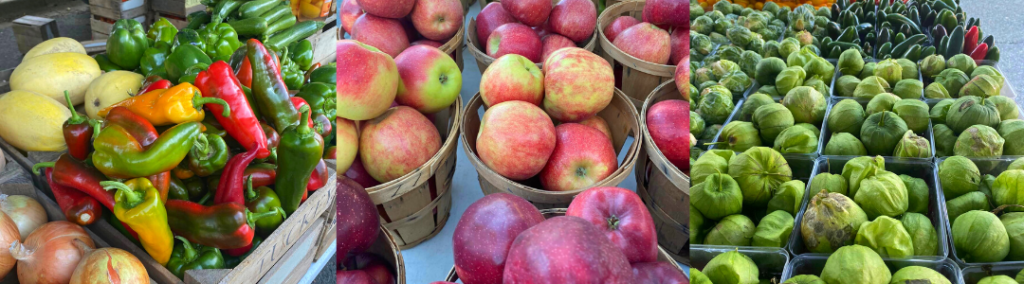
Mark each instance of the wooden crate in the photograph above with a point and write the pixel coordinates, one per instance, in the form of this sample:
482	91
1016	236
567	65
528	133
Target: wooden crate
180	8
178	22
324	50
102	26
32	30
116	10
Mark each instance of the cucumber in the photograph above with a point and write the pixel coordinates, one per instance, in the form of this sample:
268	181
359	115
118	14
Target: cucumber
990	41
993	54
913	53
956	42
898	19
899	38
256	8
197	19
249	27
848	34
904	46
927	51
941	48
224	9
276	13
284	23
884	50
298	31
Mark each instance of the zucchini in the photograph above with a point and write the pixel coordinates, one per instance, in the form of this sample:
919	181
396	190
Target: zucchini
898	39
884	49
993	54
929	19
898	19
284	23
196	20
276	13
870	37
224	9
249	27
298	31
848	34
256	8
834	53
990	41
956	42
927	51
913	53
901	48
883	36
941	48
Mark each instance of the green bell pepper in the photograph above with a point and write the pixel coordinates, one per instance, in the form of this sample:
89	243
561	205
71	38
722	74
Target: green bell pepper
189	76
209	155
188	37
264	199
322	99
105	63
221	41
126	44
290	72
184	257
162	31
301	52
177	189
325	74
182	58
153	60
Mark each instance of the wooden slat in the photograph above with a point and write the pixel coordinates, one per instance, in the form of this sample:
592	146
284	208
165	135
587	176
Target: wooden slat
294	264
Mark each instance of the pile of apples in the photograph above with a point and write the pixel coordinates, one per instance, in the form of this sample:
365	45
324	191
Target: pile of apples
386	106
661	37
517	137
534	28
606	236
394	25
358	229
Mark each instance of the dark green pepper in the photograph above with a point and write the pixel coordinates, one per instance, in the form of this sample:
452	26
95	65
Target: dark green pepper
183	57
297	157
196	188
264	199
153	60
290	72
322	99
221	41
209	155
126	44
184	257
190	74
177	189
325	74
162	31
301	52
232	261
104	63
198	19
188	37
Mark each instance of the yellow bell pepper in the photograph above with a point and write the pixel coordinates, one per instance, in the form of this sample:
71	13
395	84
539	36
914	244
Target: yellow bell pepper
176	105
138	204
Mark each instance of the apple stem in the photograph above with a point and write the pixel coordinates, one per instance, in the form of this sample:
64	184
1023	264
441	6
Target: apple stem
613	222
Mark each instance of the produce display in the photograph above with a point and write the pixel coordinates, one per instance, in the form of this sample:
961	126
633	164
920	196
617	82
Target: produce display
871	268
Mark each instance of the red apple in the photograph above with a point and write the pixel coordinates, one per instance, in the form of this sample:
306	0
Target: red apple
380	272
426	42
388	35
442	282
565	250
516	139
577	84
347	142
366	94
349	11
353	277
623	218
490	18
394	9
397	142
512	78
574	19
431	80
680	45
668	122
555	42
485	233
583	156
682	77
437	19
597	122
646	42
358	223
515	38
674	13
658	273
358	173
529	12
543	31
618	25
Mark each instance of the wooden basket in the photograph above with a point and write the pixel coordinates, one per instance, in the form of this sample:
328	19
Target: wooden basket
622	120
416	206
480	53
555	212
386	248
663	187
638	77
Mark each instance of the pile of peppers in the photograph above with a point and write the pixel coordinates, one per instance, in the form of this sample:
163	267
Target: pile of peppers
212	154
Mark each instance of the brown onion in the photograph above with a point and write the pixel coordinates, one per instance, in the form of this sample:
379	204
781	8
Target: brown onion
49	254
8	235
26	212
108	265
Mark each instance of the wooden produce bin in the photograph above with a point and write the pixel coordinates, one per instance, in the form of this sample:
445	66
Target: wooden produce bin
106	12
324	49
180	8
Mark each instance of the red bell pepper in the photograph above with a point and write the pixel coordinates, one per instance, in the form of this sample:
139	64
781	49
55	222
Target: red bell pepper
231	188
971	39
78	207
298	103
218	82
319	177
79	132
154	83
223	226
979	53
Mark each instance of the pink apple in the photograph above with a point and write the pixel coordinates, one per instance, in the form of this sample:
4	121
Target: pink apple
622	217
674	13
597	122
565	249
388	35
437	19
618	25
426	42
431	80
360	227
480	245
583	156
394	9
358	173
555	42
577	84
515	38
658	273
348	144
645	42
680	45
529	12
397	142
512	78
366	94
682	77
516	139
574	19
668	122
349	11
353	277
490	18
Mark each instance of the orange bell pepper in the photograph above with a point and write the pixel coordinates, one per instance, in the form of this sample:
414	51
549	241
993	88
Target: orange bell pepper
179	104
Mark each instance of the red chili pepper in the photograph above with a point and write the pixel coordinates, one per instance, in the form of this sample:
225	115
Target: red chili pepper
261	175
154	82
979	53
78	207
218	82
79	132
231	188
319	177
75	174
298	103
146	134
223	226
971	39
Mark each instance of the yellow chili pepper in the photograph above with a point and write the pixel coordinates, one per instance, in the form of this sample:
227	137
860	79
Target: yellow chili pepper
137	203
176	105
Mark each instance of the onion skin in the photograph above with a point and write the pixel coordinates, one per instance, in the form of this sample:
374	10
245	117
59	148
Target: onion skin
8	235
108	265
49	254
26	212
